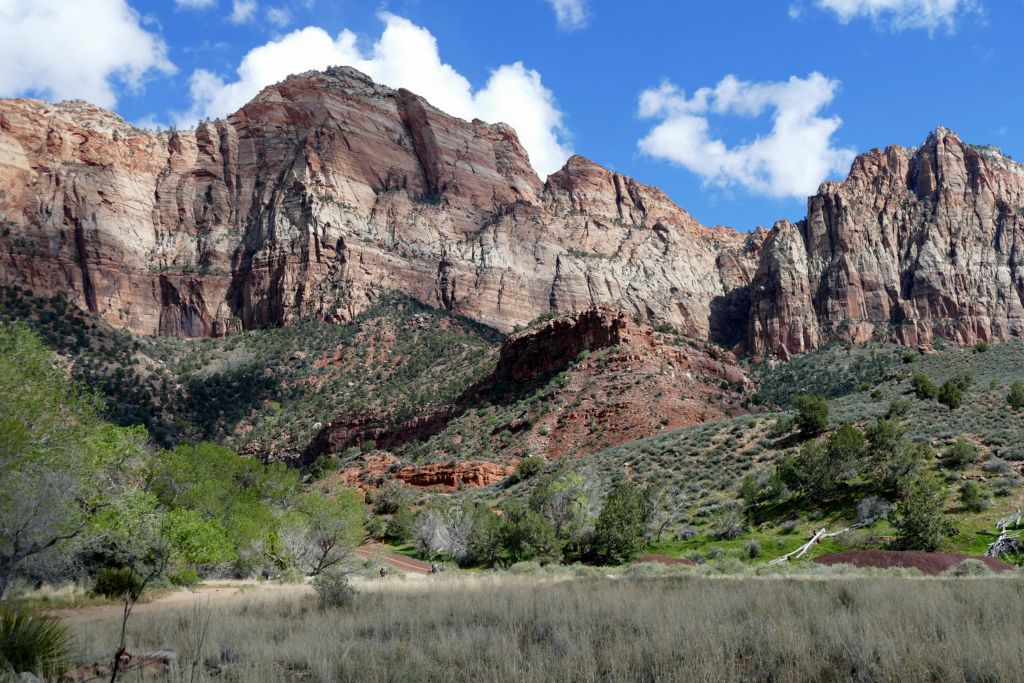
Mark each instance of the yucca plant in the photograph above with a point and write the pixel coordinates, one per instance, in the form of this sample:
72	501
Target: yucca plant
33	642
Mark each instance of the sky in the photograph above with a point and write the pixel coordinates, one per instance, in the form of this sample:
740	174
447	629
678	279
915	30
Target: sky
738	109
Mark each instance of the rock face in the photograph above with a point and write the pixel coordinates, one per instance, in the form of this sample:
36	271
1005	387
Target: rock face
322	192
328	189
915	244
376	468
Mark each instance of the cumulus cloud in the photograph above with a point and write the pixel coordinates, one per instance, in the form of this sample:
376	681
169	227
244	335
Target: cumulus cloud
570	14
242	11
279	16
789	161
405	56
61	50
901	14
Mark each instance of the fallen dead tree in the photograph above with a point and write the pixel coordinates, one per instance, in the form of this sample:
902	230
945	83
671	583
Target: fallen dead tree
1007	543
818	537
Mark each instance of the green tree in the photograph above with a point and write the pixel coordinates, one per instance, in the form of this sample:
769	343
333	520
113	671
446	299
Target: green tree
525	533
919	520
60	462
621	528
195	540
563	498
812	415
1016	396
324	530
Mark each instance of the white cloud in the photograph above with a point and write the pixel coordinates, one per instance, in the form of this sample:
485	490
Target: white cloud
901	14
195	4
61	50
242	11
789	161
405	56
570	14
279	16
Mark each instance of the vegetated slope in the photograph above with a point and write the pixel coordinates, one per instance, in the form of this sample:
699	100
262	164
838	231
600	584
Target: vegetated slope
567	386
266	392
700	468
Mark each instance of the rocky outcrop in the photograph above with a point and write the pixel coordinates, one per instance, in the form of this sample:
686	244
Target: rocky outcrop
322	192
375	469
915	244
596	358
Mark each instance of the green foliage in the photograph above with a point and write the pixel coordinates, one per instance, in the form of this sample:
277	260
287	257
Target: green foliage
196	539
332	526
981	347
951	395
1016	396
33	643
924	388
186	577
961	453
563	498
60	462
972	496
621	527
529	467
919	519
118	583
333	589
728	522
762	486
525	534
812	415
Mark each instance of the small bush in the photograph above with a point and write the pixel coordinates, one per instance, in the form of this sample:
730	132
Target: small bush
872	509
33	643
924	388
969	567
728	522
333	589
981	347
972	496
812	415
529	467
1016	396
951	395
753	549
117	583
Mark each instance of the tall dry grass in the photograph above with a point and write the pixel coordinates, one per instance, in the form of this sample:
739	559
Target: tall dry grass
677	629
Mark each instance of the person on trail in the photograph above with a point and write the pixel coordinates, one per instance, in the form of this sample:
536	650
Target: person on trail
383	573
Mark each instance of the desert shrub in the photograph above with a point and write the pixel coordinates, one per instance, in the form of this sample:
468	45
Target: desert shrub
872	509
753	549
898	407
529	467
960	454
1016	396
728	522
951	395
118	582
981	347
972	496
762	486
924	388
812	415
390	497
525	534
969	567
333	589
686	533
33	643
789	526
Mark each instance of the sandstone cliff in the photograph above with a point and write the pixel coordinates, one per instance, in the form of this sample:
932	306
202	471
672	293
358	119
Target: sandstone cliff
915	244
322	192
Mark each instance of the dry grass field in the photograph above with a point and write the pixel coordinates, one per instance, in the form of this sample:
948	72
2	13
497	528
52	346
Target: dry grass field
682	628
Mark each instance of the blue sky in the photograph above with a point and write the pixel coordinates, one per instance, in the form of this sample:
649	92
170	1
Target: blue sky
791	88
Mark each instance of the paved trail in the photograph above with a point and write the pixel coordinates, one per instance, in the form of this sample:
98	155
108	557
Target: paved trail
379	554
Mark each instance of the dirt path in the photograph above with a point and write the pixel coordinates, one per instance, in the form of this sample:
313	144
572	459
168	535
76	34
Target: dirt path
179	597
379	554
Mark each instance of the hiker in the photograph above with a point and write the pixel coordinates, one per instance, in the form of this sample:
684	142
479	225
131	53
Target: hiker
383	573
434	569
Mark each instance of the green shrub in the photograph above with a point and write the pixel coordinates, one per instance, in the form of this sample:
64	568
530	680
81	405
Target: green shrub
981	347
924	388
529	467
728	522
185	578
951	395
919	521
1016	396
333	589
33	643
753	549
118	582
961	454
969	567
621	527
972	496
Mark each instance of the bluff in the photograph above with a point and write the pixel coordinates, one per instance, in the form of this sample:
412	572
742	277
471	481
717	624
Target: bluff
916	243
326	190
